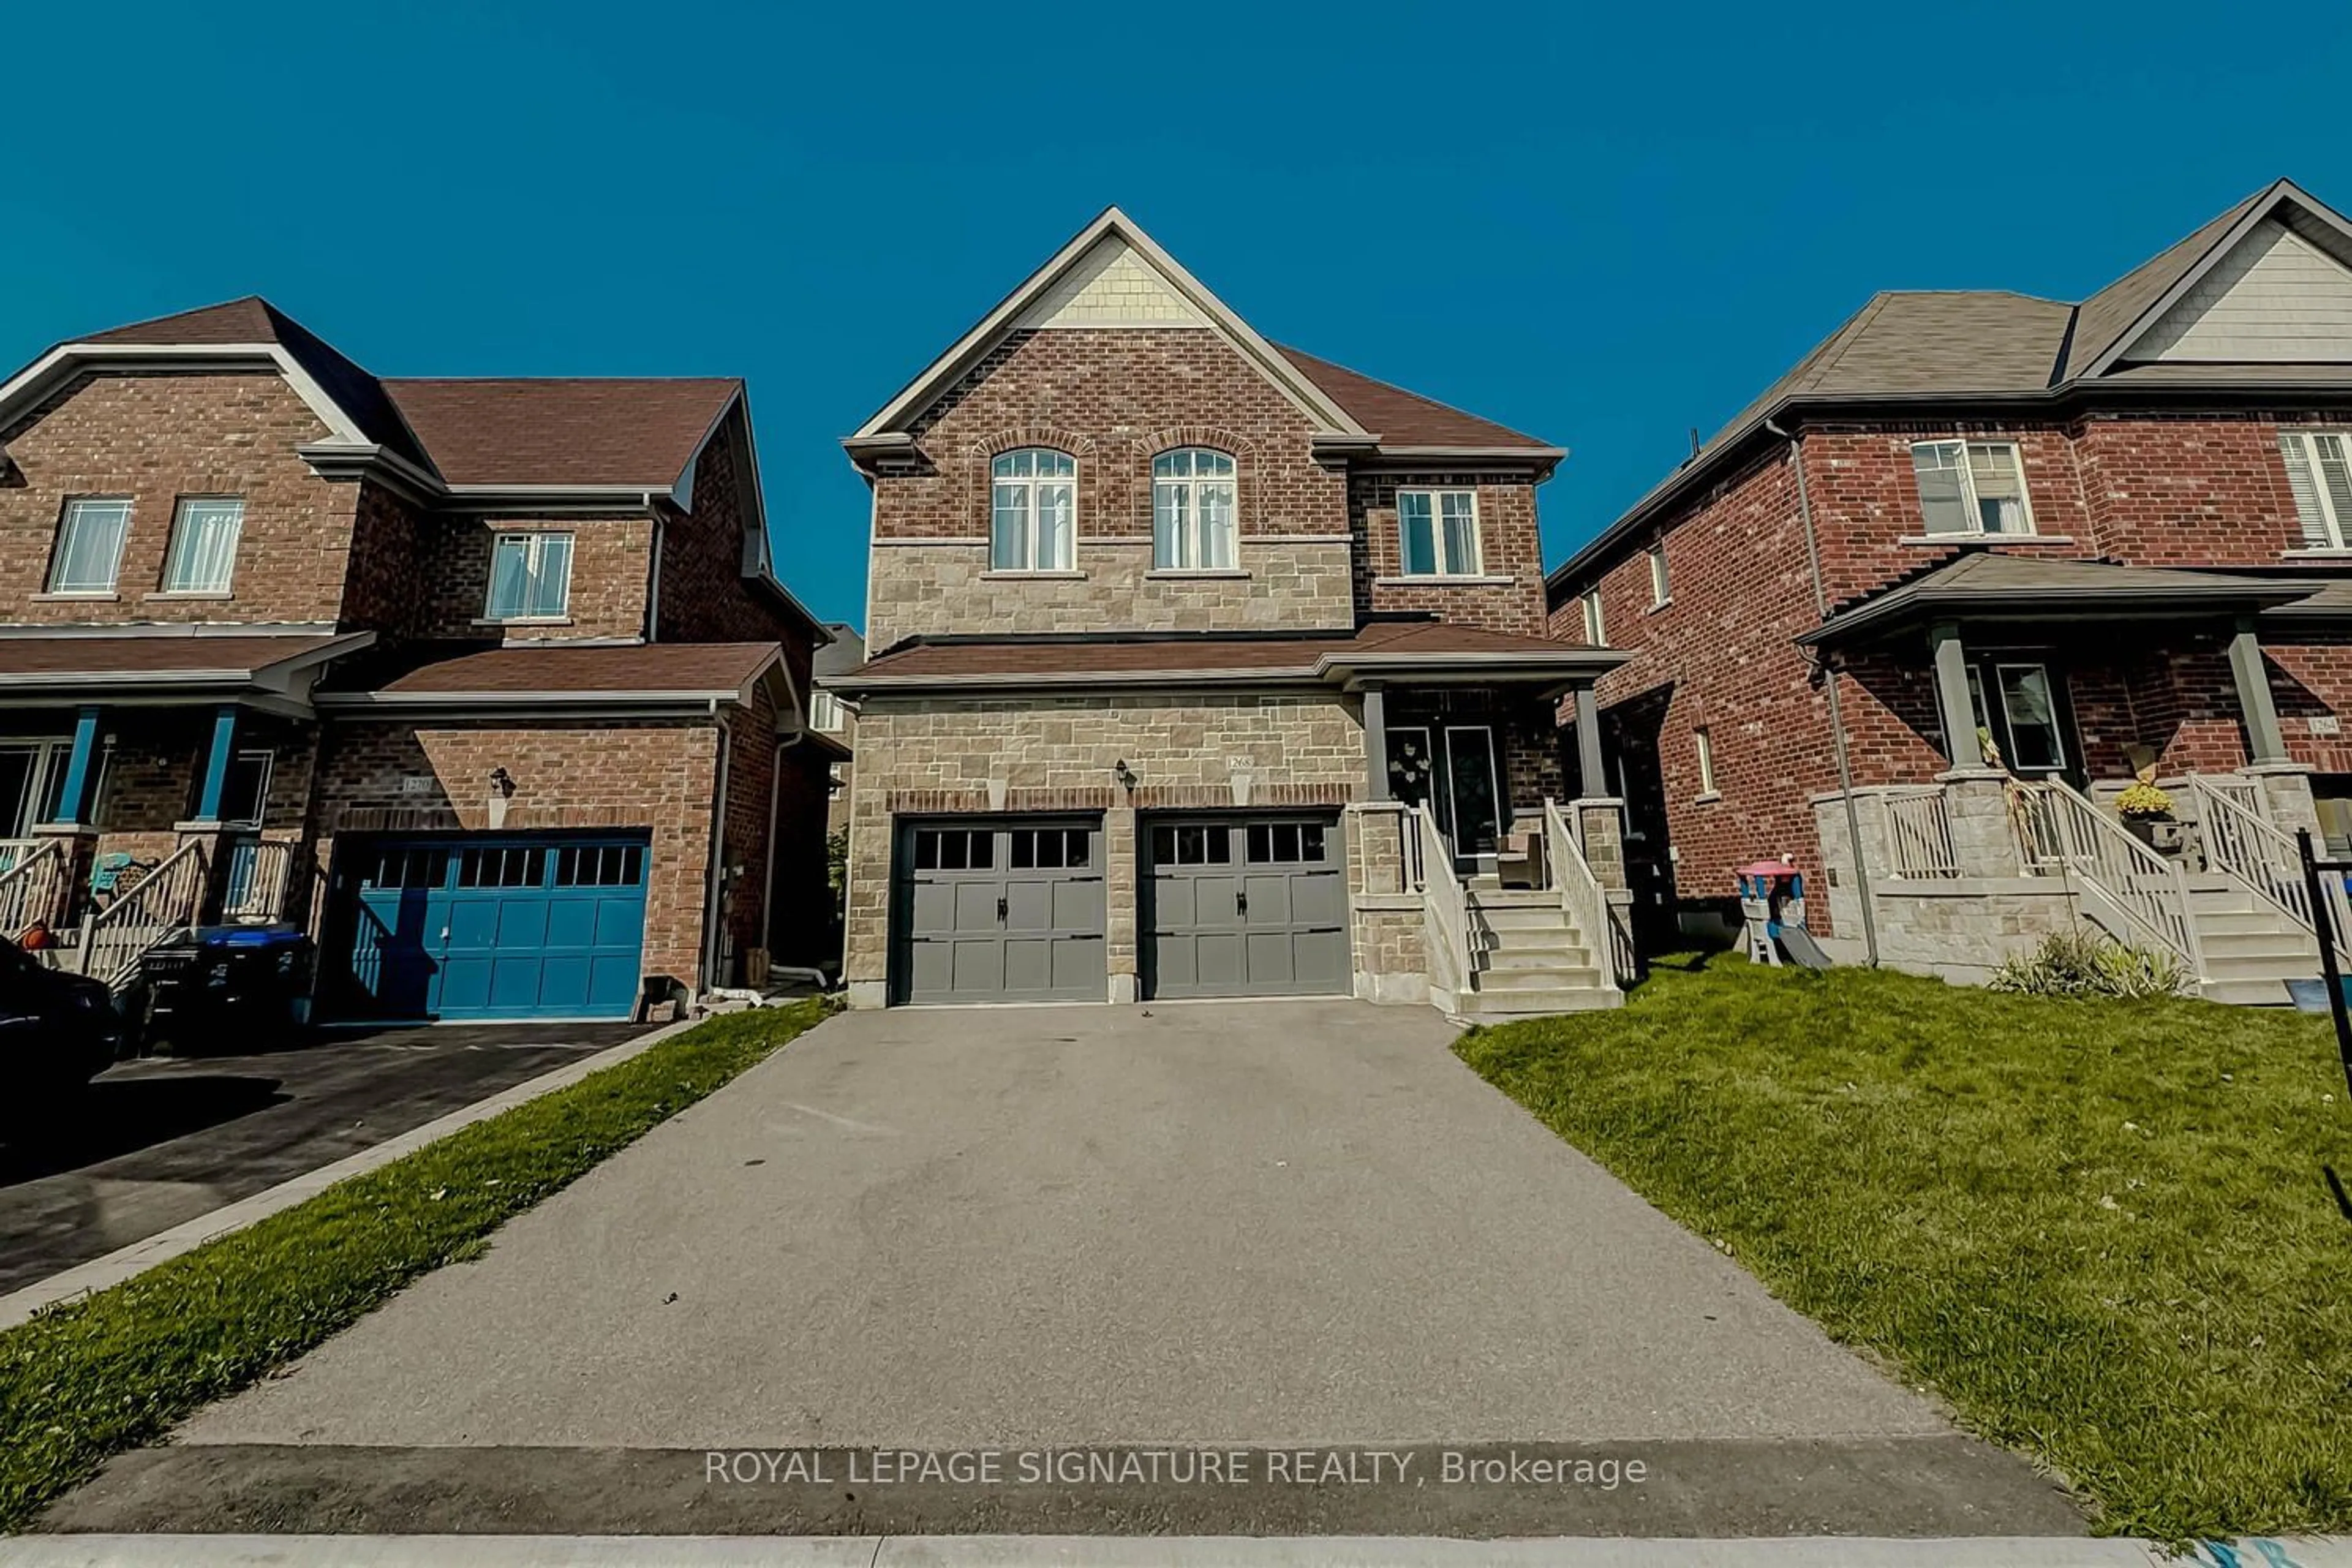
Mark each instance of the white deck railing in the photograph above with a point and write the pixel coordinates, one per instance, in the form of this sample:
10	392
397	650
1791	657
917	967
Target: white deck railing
1581	897
255	877
1918	833
2060	832
164	901
29	888
2247	848
1445	909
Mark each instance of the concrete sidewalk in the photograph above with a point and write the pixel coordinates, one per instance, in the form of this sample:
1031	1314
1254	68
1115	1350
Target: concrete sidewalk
1165	1551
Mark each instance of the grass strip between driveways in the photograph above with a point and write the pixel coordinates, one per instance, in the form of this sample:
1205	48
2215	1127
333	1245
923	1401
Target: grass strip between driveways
86	1381
2102	1231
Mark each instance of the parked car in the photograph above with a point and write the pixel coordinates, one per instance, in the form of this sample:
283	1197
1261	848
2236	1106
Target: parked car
58	1031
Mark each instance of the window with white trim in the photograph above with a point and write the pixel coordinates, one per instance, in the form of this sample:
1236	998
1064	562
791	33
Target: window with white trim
1193	510
202	554
1437	533
1033	510
530	578
1971	487
1661	590
89	545
825	713
2319	472
1595	634
1703	742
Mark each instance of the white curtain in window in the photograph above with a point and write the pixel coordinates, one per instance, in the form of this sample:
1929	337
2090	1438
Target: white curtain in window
90	546
1193	510
1033	510
203	546
1458	510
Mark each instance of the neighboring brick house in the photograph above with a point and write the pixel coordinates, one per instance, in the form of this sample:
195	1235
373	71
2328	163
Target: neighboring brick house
486	682
1982	558
830	716
1204	666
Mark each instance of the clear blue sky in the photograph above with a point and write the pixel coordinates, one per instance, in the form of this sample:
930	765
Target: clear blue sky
1600	225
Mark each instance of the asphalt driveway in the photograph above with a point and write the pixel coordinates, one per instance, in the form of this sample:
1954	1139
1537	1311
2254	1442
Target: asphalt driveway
1261	1224
164	1139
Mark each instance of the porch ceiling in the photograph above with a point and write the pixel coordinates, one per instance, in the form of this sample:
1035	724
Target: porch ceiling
1985	585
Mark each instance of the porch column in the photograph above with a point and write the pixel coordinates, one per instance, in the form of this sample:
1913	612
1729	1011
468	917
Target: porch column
81	771
208	803
1952	696
1376	740
1592	783
2264	739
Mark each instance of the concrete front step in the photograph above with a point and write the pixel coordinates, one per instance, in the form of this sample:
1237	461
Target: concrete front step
1495	981
1520	917
1512	897
2240	922
1528	956
2247	993
1535	1004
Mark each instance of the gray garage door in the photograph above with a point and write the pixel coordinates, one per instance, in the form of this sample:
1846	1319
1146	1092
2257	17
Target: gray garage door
1254	906
999	911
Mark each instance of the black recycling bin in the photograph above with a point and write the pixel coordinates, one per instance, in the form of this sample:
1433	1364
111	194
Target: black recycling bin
226	988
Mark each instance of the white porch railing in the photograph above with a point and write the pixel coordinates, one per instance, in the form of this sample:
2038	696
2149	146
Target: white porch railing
2060	832
15	851
1445	909
1581	897
1918	833
2245	846
255	877
166	901
29	888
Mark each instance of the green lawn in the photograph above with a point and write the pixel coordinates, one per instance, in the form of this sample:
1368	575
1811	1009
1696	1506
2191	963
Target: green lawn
89	1380
2101	1230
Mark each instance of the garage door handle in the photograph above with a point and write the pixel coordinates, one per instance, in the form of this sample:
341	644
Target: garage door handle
1000	909
1241	902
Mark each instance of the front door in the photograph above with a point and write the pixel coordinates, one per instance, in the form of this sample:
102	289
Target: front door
2022	702
1454	769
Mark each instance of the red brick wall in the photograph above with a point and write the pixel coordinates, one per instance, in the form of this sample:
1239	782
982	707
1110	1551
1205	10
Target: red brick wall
155	439
705	596
2142	491
1508	546
653	775
610	558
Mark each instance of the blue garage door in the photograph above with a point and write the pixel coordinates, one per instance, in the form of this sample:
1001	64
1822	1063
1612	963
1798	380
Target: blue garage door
495	928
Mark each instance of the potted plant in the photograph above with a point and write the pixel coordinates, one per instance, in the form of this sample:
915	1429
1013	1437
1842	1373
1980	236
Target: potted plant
2146	811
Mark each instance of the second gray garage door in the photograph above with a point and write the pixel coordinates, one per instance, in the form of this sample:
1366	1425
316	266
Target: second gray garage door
1001	911
1244	906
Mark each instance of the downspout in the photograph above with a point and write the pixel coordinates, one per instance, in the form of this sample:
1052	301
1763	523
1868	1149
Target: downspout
1837	712
711	911
652	582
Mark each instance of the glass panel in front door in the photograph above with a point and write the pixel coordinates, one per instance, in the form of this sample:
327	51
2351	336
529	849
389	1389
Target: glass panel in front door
1470	776
2032	712
1410	765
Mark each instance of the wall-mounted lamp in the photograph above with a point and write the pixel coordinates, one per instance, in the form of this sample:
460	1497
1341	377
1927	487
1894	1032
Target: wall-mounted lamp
1125	775
502	782
502	788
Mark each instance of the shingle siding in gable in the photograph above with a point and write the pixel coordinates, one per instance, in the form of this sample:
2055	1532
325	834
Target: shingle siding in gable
2277	298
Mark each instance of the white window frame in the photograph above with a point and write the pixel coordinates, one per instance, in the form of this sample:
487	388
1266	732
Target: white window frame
67	520
2009	718
176	552
1196	547
1703	743
1002	484
826	715
1662	590
1967	472
1445	565
2335	526
534	546
1596	631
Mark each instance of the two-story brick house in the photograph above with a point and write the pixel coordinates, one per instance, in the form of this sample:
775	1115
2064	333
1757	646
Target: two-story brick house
1186	648
1918	614
487	681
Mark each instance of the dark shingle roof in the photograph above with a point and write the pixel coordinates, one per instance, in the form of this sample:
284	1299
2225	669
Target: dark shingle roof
1402	419
621	670
560	431
41	660
1987	583
547	430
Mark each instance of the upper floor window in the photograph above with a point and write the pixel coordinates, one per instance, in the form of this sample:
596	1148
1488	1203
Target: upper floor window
1036	497
90	546
824	713
1595	634
530	578
204	545
2319	471
1193	510
1438	532
1661	589
1971	487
